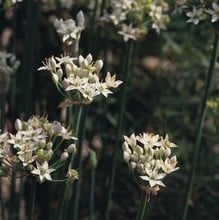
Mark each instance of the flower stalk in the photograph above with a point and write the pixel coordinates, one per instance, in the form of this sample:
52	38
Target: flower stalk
126	76
200	125
32	199
142	205
80	135
30	46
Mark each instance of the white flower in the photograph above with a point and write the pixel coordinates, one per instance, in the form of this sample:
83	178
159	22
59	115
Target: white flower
68	29
166	143
149	139
195	15
76	83
102	88
111	80
117	16
65	59
154	177
43	171
155	11
169	165
128	32
49	65
215	12
26	157
124	4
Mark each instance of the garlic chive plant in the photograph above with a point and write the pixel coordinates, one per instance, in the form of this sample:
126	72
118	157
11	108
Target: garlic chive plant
150	158
38	149
198	12
78	79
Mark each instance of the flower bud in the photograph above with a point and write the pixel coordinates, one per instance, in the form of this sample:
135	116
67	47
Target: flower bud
89	58
71	148
126	156
64	156
56	127
60	73
18	124
49	145
93	159
80	19
98	65
68	69
72	175
52	63
55	78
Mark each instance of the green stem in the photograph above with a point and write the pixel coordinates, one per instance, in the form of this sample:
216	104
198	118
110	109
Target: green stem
2	124
70	116
80	136
32	199
123	98
142	206
13	208
2	202
92	192
3	100
200	125
33	8
78	122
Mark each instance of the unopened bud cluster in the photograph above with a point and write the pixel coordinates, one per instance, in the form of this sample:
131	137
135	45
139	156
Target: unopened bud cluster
78	79
149	156
37	148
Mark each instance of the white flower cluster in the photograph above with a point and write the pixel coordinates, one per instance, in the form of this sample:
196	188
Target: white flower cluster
8	66
125	13
157	12
150	157
36	148
78	79
70	29
200	12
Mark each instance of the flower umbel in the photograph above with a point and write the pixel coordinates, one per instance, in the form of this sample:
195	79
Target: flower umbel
78	79
149	156
37	147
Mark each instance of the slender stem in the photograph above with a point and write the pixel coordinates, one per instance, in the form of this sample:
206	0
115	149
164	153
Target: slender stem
123	98
76	201
13	208
70	116
2	202
77	129
3	100
32	199
92	192
200	125
2	124
142	206
33	8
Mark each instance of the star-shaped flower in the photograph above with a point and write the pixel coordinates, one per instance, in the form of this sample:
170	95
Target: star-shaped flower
43	171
